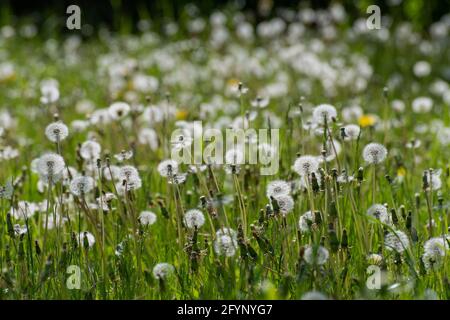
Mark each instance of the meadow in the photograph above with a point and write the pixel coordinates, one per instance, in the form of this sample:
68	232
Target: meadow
93	207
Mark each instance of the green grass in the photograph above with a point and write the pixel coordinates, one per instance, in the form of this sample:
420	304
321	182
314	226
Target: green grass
269	262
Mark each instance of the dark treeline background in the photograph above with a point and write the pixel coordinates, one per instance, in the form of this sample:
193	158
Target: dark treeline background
123	15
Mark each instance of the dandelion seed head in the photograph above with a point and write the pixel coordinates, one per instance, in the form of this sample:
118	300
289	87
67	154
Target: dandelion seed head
324	112
81	185
56	131
124	155
226	232
277	188
147	218
6	191
49	94
88	236
396	241
305	221
435	250
434	179
352	113
398	105
162	270
181	141
225	245
194	219
374	153
305	165
379	212
374	258
128	173
148	137
260	102
100	117
90	150
54	221
50	167
285	203
118	110
168	168
443	135
422	104
413	144
24	210
20	230
422	69
332	150
8	153
178	178
352	132
316	255
111	173
129	185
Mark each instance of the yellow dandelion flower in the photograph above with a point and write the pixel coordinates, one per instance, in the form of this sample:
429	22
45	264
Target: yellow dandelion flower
181	114
401	172
367	120
233	82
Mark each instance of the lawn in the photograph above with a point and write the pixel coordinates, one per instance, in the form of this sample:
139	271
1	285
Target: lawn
94	203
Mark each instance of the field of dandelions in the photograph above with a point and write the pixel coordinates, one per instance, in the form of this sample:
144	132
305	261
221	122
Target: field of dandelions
92	207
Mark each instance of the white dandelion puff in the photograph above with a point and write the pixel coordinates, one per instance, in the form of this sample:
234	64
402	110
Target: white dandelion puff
225	245
56	131
124	155
162	270
49	94
131	184
374	153
178	178
305	165
81	185
168	168
111	173
226	232
324	112
50	167
316	255
20	230
128	173
278	188
194	218
422	104
434	179
351	132
86	236
435	250
90	150
305	221
6	191
149	137
379	212
396	241
285	203
181	141
260	102
118	110
147	218
24	210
